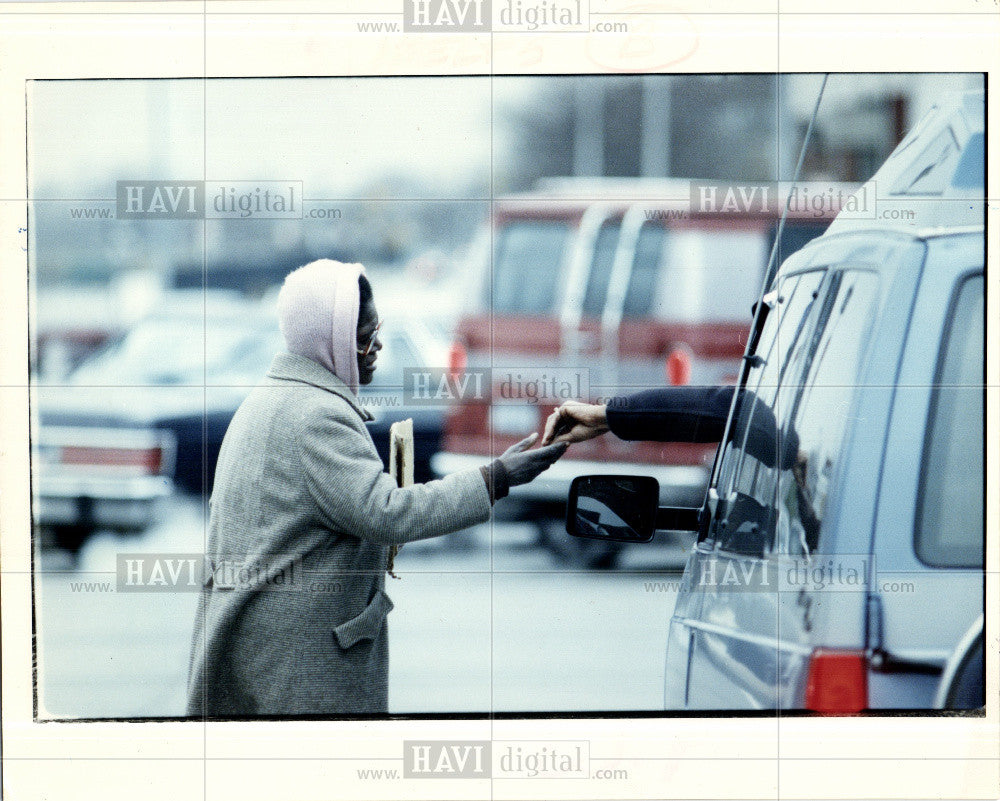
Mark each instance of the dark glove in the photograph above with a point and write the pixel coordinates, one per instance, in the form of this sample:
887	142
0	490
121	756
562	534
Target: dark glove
522	465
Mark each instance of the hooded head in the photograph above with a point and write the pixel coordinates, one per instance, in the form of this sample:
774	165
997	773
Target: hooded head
318	308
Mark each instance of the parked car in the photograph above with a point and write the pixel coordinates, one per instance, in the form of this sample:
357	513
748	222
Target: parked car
636	294
148	414
849	574
137	418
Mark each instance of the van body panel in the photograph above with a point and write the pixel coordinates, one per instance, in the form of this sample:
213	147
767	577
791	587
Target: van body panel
743	644
748	648
908	587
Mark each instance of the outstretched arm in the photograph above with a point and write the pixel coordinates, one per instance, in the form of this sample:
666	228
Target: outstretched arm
670	414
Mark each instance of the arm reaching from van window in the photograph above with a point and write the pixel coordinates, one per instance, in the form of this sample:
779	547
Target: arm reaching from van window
671	414
679	414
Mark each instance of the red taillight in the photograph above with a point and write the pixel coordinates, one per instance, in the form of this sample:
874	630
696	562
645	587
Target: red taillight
837	682
148	460
679	366
457	359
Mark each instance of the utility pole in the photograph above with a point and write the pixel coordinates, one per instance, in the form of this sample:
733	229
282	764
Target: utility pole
656	125
588	126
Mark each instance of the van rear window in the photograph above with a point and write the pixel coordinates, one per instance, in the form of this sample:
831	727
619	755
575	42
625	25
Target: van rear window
949	530
526	266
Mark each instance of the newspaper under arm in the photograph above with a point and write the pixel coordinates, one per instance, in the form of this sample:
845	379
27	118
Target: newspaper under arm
400	466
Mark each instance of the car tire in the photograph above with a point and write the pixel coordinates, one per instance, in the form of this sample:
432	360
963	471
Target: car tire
71	538
967	690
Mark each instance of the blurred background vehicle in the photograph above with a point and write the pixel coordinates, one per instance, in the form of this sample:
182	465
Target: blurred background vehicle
148	412
157	399
632	295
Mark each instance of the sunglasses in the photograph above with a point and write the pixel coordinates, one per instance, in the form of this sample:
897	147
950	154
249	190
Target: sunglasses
371	341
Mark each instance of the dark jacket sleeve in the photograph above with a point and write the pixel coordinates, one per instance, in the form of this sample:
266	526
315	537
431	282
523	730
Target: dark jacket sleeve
671	414
698	414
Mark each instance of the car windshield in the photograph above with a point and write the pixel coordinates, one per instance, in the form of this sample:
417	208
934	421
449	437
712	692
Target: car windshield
171	351
526	267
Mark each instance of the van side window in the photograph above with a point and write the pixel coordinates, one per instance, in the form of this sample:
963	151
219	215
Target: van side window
527	265
600	269
818	412
746	473
645	270
949	525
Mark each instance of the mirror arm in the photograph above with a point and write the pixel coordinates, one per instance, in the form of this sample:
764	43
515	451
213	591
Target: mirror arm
678	518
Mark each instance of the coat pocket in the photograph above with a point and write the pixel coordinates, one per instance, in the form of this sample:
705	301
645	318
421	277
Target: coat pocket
365	626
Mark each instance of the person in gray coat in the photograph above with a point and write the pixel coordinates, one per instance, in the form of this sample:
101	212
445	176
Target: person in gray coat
292	617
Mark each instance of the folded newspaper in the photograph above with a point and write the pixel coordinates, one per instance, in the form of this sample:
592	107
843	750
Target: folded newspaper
400	466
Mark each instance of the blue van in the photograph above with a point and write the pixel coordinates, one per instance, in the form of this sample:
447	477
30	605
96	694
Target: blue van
846	571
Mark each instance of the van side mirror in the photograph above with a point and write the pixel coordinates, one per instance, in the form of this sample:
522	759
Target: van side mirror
623	509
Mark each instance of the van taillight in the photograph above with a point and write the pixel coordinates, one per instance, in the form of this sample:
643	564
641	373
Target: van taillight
146	460
837	682
457	359
679	366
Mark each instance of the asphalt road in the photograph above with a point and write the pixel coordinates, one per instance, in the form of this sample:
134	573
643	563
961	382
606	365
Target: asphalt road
484	620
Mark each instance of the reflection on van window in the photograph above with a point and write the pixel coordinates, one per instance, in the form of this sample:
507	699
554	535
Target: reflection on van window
949	530
527	266
820	410
782	332
645	268
748	470
600	269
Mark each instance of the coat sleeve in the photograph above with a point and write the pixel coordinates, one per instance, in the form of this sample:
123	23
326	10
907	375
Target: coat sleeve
671	414
347	481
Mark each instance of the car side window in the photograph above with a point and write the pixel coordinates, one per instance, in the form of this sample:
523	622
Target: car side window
949	524
745	480
645	270
600	269
819	410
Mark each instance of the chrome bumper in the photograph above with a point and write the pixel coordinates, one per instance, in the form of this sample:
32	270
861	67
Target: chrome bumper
126	504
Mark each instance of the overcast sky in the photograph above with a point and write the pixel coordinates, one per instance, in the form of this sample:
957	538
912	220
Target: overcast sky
336	134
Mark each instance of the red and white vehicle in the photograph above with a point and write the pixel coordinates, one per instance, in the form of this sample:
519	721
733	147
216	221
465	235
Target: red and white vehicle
625	284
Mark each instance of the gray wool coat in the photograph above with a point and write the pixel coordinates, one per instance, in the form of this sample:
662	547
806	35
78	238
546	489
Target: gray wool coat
302	506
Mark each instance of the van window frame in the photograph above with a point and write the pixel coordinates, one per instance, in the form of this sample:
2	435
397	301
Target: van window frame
833	307
810	330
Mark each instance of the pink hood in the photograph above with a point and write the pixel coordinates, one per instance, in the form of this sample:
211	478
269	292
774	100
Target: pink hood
318	308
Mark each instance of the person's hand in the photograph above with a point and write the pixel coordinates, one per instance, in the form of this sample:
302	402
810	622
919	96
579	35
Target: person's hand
575	422
523	465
